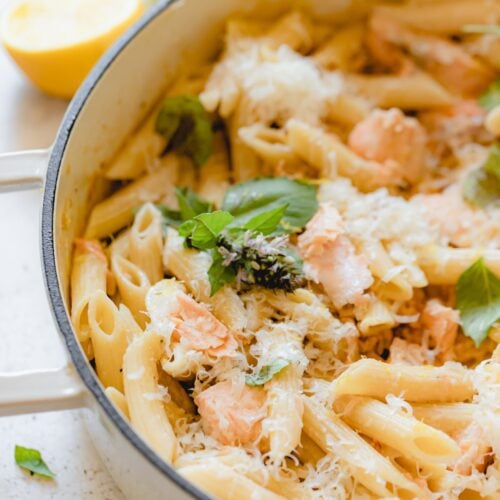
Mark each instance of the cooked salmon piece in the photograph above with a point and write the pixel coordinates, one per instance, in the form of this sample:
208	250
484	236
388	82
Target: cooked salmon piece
391	138
199	329
458	222
441	323
232	413
330	258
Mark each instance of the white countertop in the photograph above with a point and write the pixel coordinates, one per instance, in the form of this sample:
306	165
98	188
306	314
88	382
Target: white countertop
28	338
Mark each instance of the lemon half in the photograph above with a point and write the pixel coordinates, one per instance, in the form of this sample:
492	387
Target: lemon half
56	42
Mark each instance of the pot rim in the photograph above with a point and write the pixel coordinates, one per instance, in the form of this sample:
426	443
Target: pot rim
86	374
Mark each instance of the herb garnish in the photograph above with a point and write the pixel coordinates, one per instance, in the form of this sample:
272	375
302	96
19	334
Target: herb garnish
478	300
482	186
266	373
31	460
491	98
186	126
248	199
190	205
250	254
484	29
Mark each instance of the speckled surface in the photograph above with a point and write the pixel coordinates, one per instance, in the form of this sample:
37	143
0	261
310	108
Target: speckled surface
28	338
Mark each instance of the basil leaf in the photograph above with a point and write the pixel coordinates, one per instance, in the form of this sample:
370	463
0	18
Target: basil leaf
190	205
169	217
202	231
31	460
186	126
478	300
492	29
218	274
482	186
266	222
249	199
266	373
491	97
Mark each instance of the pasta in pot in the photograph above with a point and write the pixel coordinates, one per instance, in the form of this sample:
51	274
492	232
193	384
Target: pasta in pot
295	293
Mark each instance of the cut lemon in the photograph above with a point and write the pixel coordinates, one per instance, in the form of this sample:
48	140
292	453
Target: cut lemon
56	42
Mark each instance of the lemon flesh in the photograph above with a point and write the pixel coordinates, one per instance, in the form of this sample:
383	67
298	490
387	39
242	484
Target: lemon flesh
56	42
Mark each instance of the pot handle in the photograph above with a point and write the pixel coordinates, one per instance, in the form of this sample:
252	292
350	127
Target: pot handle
23	170
45	390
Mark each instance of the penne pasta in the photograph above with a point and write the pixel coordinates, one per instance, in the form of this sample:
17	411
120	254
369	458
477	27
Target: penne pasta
372	470
213	179
331	157
133	285
445	16
368	377
449	418
118	399
443	266
88	275
109	339
140	378
398	430
116	212
146	242
414	91
224	483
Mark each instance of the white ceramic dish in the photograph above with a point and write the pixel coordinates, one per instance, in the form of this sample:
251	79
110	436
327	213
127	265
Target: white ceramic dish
114	98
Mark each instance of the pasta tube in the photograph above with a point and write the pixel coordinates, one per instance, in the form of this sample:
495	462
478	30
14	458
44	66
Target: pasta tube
140	378
146	242
421	384
88	275
133	285
116	212
443	266
109	339
369	467
225	483
447	417
398	430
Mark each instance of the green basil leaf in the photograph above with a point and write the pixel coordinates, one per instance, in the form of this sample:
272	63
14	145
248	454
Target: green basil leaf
202	231
219	275
493	29
186	228
478	300
190	205
31	460
248	199
491	97
267	372
492	165
482	186
186	127
266	222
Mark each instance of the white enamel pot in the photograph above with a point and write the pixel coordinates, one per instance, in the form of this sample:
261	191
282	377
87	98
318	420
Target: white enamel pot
110	103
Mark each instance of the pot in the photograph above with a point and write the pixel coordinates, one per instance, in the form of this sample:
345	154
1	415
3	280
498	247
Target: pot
111	102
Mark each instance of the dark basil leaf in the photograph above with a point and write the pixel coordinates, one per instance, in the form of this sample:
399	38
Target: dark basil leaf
186	127
190	205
